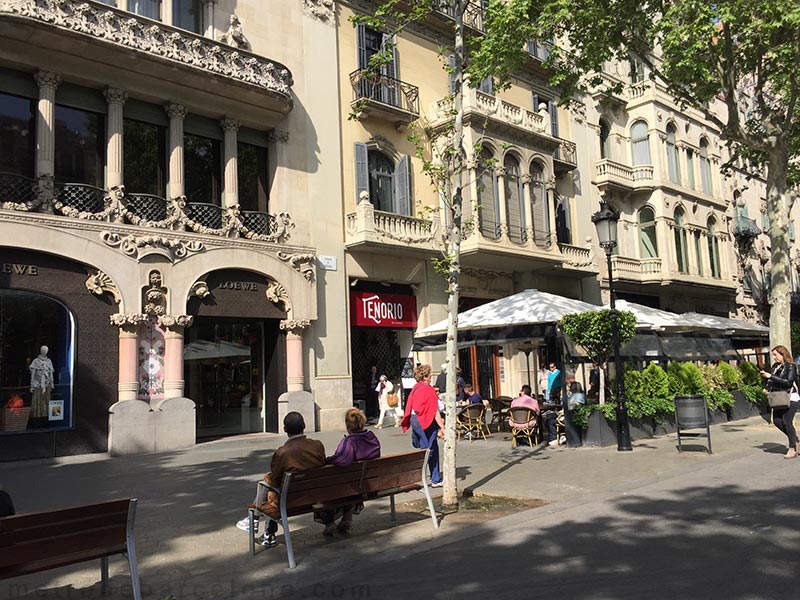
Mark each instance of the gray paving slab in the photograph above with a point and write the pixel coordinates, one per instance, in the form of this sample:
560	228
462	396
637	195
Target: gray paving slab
189	502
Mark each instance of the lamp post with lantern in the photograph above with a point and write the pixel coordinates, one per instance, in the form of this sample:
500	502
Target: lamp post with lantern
605	221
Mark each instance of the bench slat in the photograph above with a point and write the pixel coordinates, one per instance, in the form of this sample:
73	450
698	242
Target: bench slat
44	531
55	517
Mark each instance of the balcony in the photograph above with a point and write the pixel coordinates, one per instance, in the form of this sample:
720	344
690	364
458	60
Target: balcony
503	119
97	41
375	94
88	203
389	232
612	175
645	270
473	14
565	157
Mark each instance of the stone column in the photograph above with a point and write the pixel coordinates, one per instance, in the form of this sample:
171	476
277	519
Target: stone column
166	11
128	384
114	141
295	381
691	251
551	209
526	202
208	18
176	114
173	353
279	172
231	190
500	173
45	123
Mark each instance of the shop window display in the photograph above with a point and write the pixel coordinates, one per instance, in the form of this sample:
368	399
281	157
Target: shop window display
36	361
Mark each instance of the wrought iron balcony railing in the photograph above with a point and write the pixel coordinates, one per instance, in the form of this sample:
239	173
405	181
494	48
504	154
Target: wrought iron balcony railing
375	87
83	201
744	227
473	14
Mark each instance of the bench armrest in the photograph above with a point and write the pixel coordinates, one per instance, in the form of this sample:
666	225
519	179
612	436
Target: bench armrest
269	487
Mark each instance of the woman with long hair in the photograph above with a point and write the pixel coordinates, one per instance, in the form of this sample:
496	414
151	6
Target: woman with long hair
423	418
783	378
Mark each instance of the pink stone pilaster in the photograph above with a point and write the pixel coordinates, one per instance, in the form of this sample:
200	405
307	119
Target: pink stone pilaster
128	385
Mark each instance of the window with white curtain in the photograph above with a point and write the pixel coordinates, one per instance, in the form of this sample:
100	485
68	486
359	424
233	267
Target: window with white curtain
681	250
640	143
713	248
672	155
705	168
647	233
146	8
605	132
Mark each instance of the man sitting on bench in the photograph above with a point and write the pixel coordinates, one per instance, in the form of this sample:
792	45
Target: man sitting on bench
298	453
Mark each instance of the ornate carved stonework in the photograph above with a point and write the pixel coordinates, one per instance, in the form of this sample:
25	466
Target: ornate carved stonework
175	321
485	278
99	283
138	246
302	263
578	110
145	35
293	324
154	300
43	78
322	10
229	124
127	319
278	136
235	36
199	289
278	295
115	96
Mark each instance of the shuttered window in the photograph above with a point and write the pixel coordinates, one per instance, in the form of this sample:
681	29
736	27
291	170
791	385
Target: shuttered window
515	213
539	207
487	196
640	143
388	184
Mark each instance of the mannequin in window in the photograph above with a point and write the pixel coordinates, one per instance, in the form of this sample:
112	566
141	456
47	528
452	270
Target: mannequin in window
42	371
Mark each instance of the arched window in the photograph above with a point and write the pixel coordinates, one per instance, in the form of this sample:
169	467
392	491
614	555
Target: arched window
605	132
672	155
713	248
515	211
487	195
539	207
681	250
640	144
705	168
37	364
647	233
381	180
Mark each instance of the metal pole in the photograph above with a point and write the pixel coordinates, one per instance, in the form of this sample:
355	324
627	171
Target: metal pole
623	429
528	364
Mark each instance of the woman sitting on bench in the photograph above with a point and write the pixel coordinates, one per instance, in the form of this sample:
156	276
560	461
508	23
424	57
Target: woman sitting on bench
358	444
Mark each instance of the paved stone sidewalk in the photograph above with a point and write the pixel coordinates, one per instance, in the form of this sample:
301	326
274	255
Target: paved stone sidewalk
190	501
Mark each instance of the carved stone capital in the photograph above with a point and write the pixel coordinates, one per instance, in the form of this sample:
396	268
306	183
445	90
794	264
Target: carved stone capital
175	322
199	289
500	171
98	283
294	325
322	10
115	95
229	124
127	320
278	136
526	179
278	295
302	263
47	79
175	111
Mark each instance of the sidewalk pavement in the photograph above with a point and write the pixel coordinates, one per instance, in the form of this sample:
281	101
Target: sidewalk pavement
189	502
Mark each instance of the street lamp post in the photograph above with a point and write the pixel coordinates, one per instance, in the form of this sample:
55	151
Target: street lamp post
606	223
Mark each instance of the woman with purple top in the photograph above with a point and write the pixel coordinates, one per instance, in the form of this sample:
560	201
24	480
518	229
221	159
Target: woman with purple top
357	444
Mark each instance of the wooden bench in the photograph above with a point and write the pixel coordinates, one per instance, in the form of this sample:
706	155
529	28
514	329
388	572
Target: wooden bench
35	542
330	487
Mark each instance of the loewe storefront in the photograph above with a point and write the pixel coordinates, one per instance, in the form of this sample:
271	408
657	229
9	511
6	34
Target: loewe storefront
58	358
235	355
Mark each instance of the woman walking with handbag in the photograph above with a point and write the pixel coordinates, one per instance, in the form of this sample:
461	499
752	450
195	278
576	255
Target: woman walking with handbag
780	384
388	401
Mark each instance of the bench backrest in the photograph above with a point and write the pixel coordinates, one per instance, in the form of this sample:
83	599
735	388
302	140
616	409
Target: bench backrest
364	479
38	541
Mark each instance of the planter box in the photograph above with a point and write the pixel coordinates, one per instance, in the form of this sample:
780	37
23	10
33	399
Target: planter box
14	419
599	431
742	409
716	416
667	426
641	429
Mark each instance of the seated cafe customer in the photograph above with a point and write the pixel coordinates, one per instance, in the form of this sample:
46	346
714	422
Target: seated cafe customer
525	400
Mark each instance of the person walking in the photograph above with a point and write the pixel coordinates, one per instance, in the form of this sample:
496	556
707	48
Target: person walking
384	389
423	418
783	378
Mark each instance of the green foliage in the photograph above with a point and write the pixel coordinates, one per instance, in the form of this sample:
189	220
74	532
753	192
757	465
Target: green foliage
647	393
731	378
580	416
755	394
592	332
685	378
720	399
749	372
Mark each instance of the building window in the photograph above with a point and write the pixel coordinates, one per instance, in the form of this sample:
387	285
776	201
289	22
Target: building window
489	209
146	8
36	365
80	146
539	206
515	211
605	147
681	253
672	155
713	248
145	153
647	233
636	70
252	177
188	14
640	143
690	167
563	219
705	168
387	183
381	86
17	135
552	110
202	167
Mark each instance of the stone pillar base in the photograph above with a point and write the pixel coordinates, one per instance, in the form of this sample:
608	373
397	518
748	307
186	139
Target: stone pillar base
136	427
175	426
302	402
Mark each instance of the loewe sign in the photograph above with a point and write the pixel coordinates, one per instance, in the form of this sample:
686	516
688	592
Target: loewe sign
243	286
18	269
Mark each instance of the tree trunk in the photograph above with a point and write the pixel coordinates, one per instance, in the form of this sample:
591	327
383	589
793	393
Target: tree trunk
455	162
779	206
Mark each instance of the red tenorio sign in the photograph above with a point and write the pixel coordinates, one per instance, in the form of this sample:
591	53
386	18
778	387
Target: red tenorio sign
373	309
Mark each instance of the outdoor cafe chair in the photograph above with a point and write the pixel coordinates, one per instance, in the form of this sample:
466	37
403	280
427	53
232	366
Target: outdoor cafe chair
500	406
524	422
472	422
